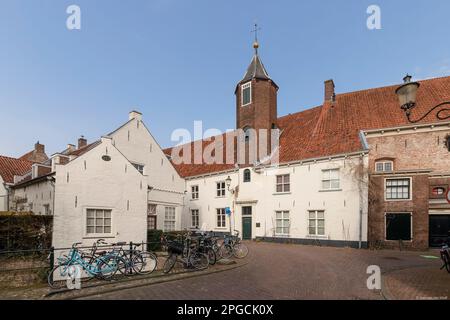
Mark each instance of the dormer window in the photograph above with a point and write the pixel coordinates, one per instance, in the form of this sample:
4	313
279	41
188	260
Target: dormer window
246	93
384	166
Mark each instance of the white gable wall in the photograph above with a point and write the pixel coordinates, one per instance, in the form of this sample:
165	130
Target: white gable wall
89	182
167	188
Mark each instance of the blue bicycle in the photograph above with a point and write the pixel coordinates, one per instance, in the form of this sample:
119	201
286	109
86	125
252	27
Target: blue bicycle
103	267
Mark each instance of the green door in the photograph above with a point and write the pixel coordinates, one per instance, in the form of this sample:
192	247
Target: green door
247	228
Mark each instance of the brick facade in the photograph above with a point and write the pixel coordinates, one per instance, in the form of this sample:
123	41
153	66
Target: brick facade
419	154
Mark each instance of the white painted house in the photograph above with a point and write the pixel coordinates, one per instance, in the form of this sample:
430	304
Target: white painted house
315	192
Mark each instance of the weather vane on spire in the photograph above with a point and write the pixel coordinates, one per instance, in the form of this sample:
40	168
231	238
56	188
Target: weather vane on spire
256	44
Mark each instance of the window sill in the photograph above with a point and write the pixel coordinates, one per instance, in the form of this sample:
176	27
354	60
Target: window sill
281	193
397	200
193	199
96	236
330	190
310	236
221	197
282	235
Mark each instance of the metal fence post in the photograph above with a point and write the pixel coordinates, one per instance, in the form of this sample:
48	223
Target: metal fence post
52	260
131	257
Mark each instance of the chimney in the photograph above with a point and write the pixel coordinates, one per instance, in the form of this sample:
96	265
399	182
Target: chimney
329	90
135	115
82	142
39	148
71	147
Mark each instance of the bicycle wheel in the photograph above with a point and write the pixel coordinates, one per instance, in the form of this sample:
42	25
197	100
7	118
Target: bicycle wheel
57	277
240	250
226	251
125	266
108	266
211	256
170	263
144	262
199	260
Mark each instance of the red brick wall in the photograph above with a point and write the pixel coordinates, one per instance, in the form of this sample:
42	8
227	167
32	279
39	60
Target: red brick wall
262	112
412	151
422	150
418	206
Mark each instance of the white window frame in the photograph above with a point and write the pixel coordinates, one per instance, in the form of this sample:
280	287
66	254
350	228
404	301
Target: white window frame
169	219
195	215
398	178
330	180
245	86
221	218
221	189
399	212
96	234
195	192
283	219
283	183
384	163
316	220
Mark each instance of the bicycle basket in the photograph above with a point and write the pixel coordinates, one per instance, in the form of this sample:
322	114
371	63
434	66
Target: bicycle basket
175	247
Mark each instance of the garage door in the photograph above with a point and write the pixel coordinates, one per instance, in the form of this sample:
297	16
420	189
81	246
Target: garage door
439	229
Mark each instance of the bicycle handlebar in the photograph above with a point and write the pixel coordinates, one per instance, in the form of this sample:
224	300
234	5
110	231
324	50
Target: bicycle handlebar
76	244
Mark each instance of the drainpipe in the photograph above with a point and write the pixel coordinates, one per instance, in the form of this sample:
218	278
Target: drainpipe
7	196
361	199
52	183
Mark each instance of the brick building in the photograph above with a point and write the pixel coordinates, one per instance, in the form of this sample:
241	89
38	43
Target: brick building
409	180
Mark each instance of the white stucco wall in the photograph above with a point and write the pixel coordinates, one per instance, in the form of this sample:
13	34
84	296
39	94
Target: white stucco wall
3	196
342	208
137	144
88	182
38	195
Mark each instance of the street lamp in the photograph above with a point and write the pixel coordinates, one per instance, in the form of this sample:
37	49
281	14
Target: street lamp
228	182
407	95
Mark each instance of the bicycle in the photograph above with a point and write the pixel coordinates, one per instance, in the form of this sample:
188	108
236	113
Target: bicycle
232	246
103	267
136	261
190	256
445	256
205	245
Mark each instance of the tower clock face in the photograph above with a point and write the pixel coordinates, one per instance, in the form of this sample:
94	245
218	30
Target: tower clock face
448	195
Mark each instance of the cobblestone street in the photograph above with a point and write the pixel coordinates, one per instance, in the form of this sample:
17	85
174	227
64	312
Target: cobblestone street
280	271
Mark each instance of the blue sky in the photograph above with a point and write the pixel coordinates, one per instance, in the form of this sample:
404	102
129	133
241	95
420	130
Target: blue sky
179	61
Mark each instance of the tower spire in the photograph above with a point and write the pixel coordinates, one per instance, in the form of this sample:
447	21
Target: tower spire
256	43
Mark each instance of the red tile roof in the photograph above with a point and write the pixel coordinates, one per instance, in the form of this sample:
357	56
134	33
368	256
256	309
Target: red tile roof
9	167
84	149
27	155
334	127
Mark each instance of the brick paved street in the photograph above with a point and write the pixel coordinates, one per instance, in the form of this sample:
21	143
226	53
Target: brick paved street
278	271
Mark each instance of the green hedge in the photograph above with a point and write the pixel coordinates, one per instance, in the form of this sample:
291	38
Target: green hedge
154	239
25	232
